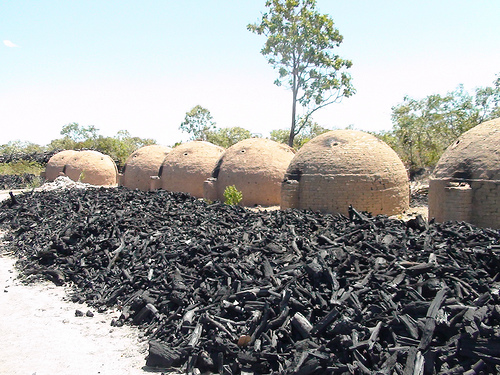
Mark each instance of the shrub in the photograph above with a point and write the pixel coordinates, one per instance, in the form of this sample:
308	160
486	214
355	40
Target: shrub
232	195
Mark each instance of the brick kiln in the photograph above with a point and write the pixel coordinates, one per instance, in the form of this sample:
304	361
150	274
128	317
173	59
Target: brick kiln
187	166
346	167
90	167
141	165
55	165
256	167
465	184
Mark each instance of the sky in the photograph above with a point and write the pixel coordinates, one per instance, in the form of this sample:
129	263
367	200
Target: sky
140	65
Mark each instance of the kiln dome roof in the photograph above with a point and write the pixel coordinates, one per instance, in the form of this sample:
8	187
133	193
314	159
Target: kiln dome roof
92	167
142	164
254	154
256	166
55	165
346	167
188	165
474	155
87	166
350	152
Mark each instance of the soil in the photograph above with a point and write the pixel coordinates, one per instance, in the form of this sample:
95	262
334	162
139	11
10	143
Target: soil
41	333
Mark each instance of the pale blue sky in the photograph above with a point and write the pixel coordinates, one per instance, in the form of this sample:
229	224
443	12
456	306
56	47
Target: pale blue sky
140	65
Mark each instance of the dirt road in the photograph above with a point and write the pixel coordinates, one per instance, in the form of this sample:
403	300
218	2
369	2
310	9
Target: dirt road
40	334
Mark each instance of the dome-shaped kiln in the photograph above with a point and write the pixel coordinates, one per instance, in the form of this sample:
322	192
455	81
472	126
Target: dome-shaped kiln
90	167
465	184
141	165
346	167
256	167
56	165
187	166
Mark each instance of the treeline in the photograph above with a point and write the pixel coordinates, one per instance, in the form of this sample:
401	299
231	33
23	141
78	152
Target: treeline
422	130
199	123
76	137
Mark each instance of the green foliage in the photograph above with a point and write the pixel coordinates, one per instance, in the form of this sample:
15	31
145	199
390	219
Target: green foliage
65	143
82	177
14	147
423	129
232	195
79	133
488	100
300	45
198	122
76	137
118	147
226	137
307	133
21	167
121	146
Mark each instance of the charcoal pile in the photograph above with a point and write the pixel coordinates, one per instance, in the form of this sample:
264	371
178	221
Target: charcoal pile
419	192
19	181
222	289
37	157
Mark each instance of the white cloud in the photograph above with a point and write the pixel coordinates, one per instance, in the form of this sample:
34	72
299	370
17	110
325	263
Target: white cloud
8	43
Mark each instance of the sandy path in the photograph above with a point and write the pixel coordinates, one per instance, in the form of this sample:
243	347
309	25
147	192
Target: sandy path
40	334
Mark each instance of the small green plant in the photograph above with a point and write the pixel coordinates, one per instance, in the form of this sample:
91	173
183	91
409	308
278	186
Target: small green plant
82	177
232	195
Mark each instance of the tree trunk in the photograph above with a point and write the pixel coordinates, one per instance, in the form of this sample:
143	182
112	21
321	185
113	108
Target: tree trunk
294	110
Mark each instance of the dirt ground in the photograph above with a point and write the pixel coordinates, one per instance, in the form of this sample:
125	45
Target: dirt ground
40	334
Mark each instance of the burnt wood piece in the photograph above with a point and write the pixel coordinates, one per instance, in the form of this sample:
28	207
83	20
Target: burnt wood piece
161	355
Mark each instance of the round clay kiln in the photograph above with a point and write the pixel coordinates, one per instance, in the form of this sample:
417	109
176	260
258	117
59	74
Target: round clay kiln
90	167
346	167
141	165
465	184
256	167
187	166
56	165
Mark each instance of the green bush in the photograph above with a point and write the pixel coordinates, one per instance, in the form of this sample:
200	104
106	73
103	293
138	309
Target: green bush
232	195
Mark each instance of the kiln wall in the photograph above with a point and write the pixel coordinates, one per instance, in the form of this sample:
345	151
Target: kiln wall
56	164
141	165
465	185
346	167
256	167
188	165
90	167
477	201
